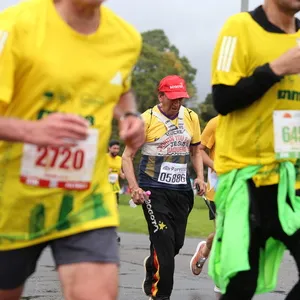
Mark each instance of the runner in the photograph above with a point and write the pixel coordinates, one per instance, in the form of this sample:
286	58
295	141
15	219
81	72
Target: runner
73	58
115	167
172	137
207	144
255	79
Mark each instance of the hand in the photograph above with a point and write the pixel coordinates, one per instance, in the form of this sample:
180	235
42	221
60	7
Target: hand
57	129
288	63
138	196
132	131
200	186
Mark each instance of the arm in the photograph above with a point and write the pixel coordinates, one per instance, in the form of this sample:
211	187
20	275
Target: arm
128	169
131	125
227	98
54	130
14	130
137	194
206	159
197	162
126	104
235	83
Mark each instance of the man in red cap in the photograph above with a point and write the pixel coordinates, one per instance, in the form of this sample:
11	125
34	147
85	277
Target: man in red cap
172	139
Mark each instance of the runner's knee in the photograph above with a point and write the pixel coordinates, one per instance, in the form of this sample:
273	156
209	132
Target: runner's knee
84	281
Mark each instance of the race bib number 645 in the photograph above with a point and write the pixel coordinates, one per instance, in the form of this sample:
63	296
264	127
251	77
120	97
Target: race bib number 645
59	167
287	133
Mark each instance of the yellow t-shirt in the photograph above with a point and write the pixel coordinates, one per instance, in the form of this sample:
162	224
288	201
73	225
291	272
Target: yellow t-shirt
151	164
208	140
242	46
155	129
114	167
46	66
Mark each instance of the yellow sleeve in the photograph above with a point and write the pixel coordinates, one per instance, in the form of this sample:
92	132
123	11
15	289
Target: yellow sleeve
196	129
230	58
127	82
8	58
208	135
146	116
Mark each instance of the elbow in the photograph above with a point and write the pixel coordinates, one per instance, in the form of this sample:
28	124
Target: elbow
220	106
124	159
224	99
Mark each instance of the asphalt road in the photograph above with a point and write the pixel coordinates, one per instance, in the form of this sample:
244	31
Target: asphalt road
44	284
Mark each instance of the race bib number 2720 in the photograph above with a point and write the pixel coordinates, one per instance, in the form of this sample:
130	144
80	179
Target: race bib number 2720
59	167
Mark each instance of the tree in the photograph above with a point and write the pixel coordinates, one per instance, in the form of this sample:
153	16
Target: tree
157	39
158	59
207	110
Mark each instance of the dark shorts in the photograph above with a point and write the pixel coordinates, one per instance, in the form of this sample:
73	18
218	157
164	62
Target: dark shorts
98	245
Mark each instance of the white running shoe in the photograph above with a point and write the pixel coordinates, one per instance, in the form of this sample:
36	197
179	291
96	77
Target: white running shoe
198	260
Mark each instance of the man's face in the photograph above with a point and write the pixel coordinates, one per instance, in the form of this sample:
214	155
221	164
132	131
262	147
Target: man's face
291	6
170	107
114	150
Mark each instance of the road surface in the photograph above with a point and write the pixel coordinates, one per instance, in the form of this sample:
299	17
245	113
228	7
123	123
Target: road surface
44	284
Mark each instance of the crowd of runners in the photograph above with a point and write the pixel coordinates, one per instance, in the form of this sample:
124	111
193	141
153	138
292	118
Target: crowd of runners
65	73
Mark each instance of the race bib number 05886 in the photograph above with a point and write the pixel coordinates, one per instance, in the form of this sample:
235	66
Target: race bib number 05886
59	167
172	173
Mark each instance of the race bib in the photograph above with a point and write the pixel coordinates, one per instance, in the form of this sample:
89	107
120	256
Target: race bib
287	133
173	173
58	167
113	177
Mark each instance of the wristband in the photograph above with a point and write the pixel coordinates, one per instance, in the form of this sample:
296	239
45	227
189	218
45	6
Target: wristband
129	113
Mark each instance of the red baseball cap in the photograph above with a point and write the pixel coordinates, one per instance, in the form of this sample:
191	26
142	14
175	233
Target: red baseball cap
174	87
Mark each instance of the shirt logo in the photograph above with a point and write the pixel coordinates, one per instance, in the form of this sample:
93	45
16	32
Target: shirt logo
3	39
226	53
117	80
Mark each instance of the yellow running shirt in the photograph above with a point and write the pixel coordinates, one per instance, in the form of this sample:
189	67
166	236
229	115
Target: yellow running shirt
45	67
167	149
114	169
208	140
245	137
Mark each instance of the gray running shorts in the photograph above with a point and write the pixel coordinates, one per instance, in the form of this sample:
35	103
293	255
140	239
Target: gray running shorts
98	245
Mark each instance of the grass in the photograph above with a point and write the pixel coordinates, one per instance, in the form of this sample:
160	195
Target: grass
132	219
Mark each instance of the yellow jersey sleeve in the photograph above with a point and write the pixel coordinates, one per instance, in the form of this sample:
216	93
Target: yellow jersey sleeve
127	82
146	116
208	134
8	57
229	62
196	137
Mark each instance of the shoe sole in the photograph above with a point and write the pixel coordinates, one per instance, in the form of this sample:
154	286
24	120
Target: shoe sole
145	270
194	256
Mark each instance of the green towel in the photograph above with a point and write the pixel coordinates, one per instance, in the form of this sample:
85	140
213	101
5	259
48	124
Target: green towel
229	253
